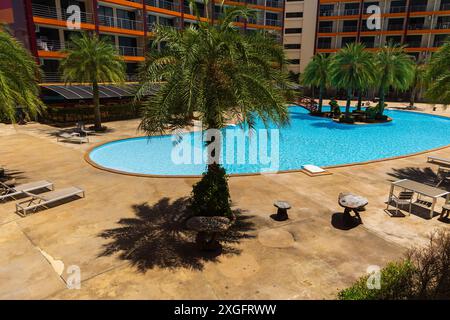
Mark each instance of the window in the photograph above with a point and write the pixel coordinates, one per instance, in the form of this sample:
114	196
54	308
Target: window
292	30
292	46
294	14
294	0
294	61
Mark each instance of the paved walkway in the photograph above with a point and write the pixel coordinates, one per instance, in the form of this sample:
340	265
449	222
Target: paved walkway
122	235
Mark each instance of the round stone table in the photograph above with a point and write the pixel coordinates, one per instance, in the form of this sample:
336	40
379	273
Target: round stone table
352	202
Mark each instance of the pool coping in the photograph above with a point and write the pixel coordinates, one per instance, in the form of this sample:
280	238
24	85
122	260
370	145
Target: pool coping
145	175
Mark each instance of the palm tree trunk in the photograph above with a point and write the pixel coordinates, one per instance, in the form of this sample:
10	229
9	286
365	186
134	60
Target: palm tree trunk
360	93
98	117
412	98
347	106
381	102
320	99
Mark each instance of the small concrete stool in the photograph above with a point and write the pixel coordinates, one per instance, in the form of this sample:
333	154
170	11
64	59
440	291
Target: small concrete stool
352	202
283	207
445	211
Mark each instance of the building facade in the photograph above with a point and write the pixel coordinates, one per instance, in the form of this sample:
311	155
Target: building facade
300	22
42	24
420	25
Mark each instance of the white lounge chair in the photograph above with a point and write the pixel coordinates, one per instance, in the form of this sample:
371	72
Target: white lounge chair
43	200
313	170
73	137
439	161
7	191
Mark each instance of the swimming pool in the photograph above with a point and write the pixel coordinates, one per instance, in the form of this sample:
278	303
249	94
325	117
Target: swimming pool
307	140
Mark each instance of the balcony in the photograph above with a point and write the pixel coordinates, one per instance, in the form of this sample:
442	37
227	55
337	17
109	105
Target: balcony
349	28
131	51
325	29
54	13
274	4
418	26
49	45
163	4
397	9
115	22
349	12
445	6
51	76
273	22
324	45
395	27
438	42
413	44
327	13
443	25
418	8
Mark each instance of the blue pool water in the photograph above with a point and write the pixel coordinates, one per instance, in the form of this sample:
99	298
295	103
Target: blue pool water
307	140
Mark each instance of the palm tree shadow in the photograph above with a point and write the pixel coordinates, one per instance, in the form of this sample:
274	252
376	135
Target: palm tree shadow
423	175
157	237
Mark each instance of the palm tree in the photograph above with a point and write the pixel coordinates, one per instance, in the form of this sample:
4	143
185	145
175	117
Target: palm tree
418	81
316	74
92	60
19	76
217	73
351	68
438	76
395	69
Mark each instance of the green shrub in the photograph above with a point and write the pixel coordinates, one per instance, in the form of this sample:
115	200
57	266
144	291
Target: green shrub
210	196
395	282
423	274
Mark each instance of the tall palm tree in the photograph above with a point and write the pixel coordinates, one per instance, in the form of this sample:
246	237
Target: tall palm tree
216	73
19	75
316	74
395	69
351	69
92	60
438	75
418	82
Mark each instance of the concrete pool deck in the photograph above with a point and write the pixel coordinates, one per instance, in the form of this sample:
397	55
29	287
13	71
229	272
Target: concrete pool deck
117	235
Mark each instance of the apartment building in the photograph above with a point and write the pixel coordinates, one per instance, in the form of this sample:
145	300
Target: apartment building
128	24
299	32
421	25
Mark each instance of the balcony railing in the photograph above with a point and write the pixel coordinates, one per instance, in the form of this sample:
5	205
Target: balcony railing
274	3
445	6
325	29
417	26
393	27
349	28
121	23
397	9
350	12
324	45
54	13
413	44
134	77
49	45
164	4
273	22
416	8
443	25
438	43
52	76
131	51
326	13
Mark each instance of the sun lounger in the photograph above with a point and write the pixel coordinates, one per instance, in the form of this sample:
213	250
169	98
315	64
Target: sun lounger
73	137
313	170
43	200
81	128
7	191
439	161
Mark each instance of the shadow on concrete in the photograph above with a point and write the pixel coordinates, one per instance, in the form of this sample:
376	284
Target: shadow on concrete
339	222
422	175
157	237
